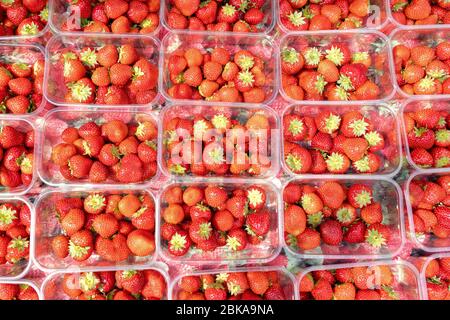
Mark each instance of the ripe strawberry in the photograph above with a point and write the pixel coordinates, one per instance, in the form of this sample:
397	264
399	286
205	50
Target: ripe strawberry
308	240
179	243
60	246
337	163
294	220
355	233
359	195
331	232
322	290
215	196
81	245
258	223
215	292
73	221
422	158
256	197
236	240
237	205
378	235
298	159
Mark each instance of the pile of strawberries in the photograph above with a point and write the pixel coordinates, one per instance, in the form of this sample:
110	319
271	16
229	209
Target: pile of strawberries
116	16
423	69
13	291
20	85
301	15
254	285
217	143
219	15
332	73
206	218
113	151
22	17
437	276
428	137
111	285
332	214
15	220
16	155
114	227
329	142
356	283
420	12
218	76
431	207
110	75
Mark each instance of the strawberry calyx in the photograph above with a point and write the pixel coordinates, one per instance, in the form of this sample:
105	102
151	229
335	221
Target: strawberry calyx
297	18
7	215
439	74
342	93
233	243
434	280
373	138
233	288
138	213
146	23
96	201
29	29
312	56
335	161
200	128
80	92
127	274
140	130
19	243
362	165
360	56
363	198
399	6
426	83
418	132
229	10
320	84
205	230
136	73
89	57
249	230
246	62
87	150
293	162
296	126
255	197
246	77
307	13
222	277
177	169
220	121
345	82
69	56
177	242
44	14
332	123
315	219
289	55
359	127
77	251
442	162
216	156
151	144
292	241
88	281
390	292
375	238
26	164
442	122
344	215
442	135
335	55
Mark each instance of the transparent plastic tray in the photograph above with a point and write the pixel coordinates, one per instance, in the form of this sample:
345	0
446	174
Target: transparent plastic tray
423	278
385	191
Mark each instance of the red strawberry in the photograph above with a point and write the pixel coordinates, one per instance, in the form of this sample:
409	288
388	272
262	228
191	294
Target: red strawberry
331	232
258	223
353	76
298	159
322	290
359	195
355	233
179	243
294	128
256	197
207	12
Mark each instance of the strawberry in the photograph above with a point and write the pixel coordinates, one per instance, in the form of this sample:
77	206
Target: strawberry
258	223
331	232
298	159
256	197
377	235
215	196
79	166
207	12
355	148
60	246
215	292
353	76
294	220
355	232
236	240
322	290
179	243
81	245
228	13
422	158
327	122
337	163
237	205
359	195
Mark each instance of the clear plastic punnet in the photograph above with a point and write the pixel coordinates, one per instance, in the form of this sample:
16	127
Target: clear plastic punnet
48	226
423	273
52	287
26	282
261	160
55	89
28	53
286	279
386	192
428	242
372	42
22	124
260	46
61	16
264	251
416	104
406	284
20	269
60	118
417	36
269	10
383	119
377	18
390	7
